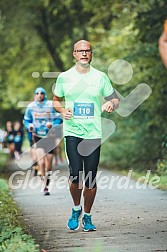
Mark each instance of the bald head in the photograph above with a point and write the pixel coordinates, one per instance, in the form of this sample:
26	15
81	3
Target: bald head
81	43
82	53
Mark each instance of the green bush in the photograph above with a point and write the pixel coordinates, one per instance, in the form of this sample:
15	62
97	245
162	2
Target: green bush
162	166
14	240
4	157
12	236
8	209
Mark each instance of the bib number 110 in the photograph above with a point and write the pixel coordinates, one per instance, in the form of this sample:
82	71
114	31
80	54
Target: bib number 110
85	111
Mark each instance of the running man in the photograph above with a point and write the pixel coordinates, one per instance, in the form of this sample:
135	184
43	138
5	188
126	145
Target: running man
82	88
41	119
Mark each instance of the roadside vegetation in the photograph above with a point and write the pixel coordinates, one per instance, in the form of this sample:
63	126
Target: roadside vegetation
13	234
158	177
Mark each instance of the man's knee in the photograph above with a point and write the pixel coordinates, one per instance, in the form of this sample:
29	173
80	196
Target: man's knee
90	180
90	184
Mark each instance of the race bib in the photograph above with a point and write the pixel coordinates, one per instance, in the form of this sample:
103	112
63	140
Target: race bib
41	131
17	139
10	137
83	110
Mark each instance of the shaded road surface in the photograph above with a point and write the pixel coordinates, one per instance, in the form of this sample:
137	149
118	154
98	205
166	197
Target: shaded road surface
126	219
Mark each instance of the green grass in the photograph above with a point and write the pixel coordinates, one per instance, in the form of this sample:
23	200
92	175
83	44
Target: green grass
4	157
12	232
161	184
160	180
13	235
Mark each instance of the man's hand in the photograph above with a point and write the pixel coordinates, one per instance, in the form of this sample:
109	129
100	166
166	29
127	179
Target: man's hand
67	113
110	105
31	127
48	125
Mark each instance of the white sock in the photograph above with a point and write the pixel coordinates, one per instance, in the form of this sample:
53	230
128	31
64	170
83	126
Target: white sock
47	174
77	207
87	214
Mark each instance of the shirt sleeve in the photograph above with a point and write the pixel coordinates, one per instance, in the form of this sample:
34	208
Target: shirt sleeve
58	91
107	88
28	117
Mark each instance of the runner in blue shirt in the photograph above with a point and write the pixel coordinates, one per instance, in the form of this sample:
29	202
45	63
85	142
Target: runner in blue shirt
41	119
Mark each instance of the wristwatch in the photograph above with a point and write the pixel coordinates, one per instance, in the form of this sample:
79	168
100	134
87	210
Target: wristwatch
113	104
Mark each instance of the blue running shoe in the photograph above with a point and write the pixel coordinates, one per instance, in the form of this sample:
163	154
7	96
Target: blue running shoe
73	222
87	223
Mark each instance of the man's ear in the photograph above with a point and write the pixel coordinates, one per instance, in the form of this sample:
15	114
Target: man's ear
74	54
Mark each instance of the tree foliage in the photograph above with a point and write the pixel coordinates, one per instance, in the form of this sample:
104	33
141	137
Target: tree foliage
38	36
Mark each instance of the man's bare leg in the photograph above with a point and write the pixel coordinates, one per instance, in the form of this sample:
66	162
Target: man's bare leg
41	161
89	196
76	192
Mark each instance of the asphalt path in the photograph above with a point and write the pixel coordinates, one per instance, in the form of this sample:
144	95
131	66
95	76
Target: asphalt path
129	216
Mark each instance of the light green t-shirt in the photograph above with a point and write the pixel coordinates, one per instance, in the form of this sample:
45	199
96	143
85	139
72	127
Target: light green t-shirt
83	93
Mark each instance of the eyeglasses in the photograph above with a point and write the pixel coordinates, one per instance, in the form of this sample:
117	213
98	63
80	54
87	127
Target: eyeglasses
40	93
83	51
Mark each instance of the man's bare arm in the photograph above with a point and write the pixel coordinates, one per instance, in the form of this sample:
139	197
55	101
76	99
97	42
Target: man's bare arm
58	106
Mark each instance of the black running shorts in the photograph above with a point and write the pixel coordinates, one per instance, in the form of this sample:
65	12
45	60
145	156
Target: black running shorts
83	153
